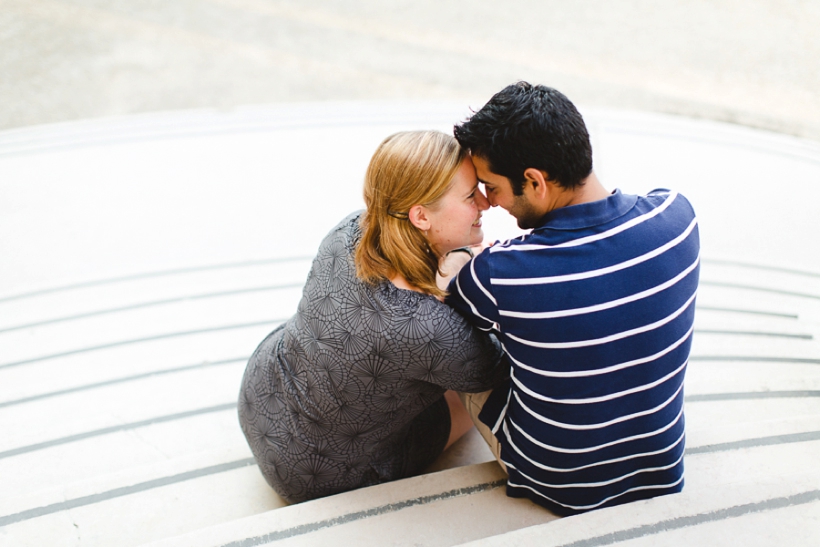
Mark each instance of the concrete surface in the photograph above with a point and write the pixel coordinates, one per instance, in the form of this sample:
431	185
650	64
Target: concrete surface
145	257
753	62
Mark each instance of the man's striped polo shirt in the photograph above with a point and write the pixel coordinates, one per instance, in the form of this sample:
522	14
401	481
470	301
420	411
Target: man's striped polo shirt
595	310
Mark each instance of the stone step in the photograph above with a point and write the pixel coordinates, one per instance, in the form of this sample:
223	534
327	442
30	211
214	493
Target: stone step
746	497
443	508
468	506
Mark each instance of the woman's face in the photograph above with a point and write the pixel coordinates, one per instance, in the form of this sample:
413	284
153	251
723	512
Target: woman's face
455	220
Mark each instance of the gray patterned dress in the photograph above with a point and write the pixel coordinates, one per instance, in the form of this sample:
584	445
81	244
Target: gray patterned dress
349	392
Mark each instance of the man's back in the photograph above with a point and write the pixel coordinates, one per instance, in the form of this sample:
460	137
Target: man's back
595	309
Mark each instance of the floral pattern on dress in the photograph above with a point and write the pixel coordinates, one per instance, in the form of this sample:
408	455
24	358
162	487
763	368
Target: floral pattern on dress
349	392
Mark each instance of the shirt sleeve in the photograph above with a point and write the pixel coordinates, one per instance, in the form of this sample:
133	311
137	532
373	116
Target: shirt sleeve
470	294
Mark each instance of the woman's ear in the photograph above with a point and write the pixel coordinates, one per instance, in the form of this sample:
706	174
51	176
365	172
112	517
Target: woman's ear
418	217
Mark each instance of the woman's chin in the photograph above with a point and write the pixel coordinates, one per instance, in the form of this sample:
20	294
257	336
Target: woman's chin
477	236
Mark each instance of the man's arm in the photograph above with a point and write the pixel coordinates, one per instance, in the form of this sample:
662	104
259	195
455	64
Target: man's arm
471	295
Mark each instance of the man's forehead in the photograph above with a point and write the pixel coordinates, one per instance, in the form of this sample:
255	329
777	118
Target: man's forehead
483	172
481	164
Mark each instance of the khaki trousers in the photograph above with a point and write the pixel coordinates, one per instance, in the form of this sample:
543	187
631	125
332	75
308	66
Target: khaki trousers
474	402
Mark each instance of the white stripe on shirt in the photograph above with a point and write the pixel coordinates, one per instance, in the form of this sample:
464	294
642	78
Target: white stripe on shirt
589	239
604	370
601	271
594	505
611	337
594	464
601	425
604	305
601	398
474	309
604	483
479	285
551	448
501	416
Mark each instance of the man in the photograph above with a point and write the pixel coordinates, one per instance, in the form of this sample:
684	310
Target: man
594	309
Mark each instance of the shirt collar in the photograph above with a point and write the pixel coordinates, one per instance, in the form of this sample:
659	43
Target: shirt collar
586	215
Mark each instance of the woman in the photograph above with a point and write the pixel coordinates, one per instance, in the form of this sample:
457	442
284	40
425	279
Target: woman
350	391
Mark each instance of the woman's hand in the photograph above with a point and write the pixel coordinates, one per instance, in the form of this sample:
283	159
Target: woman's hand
451	263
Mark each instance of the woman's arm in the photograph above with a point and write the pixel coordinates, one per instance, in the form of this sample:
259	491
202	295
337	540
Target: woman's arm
466	359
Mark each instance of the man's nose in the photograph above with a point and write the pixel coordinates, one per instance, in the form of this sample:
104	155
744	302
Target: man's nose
482	201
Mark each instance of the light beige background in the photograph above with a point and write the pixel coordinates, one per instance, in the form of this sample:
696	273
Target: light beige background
755	62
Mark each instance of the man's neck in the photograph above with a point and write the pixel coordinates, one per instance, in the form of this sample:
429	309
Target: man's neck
558	197
589	190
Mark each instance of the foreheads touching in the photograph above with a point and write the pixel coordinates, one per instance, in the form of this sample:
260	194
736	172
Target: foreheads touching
525	126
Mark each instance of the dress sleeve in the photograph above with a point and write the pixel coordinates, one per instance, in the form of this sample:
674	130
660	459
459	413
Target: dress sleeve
466	359
470	294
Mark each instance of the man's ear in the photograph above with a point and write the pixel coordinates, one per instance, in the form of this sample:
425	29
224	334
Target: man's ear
537	181
418	217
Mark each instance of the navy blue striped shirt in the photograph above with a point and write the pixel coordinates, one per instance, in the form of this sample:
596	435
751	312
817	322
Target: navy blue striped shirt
595	310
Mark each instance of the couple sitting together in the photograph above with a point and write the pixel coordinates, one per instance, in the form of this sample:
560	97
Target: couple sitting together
567	346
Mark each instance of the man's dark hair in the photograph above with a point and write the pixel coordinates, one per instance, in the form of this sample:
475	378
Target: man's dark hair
525	126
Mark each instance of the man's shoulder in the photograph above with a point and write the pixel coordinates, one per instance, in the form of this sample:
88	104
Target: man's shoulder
654	215
671	201
658	204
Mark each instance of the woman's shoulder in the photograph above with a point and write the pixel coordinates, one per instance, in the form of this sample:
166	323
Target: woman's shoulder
413	305
340	240
335	261
348	227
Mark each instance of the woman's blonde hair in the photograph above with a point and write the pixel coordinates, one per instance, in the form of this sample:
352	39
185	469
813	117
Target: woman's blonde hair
407	169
